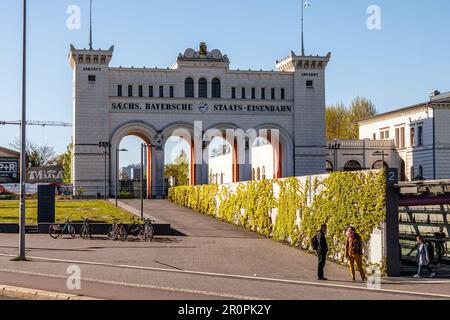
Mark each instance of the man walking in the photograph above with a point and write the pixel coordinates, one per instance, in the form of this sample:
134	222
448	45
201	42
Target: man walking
353	253
320	245
441	238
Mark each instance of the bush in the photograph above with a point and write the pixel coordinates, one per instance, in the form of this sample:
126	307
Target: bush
126	195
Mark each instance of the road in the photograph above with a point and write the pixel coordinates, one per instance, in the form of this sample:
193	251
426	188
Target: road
210	260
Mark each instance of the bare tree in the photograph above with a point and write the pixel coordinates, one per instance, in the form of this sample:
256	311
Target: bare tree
37	156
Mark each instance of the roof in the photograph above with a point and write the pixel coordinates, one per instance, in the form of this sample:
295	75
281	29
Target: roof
9	151
396	111
435	99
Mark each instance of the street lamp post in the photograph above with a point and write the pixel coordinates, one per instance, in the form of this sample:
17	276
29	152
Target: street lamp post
143	149
383	155
105	146
117	173
22	230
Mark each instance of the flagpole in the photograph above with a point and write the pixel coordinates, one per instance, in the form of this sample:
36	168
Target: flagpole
303	41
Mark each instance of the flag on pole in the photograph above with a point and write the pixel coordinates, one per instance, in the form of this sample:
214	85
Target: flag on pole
306	3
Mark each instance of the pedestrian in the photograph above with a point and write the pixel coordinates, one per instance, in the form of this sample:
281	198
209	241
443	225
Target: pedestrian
320	245
441	238
423	258
354	252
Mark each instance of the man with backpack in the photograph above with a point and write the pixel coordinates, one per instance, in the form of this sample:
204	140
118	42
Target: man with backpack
320	245
423	258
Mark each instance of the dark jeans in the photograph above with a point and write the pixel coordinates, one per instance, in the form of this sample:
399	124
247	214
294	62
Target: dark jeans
322	259
419	272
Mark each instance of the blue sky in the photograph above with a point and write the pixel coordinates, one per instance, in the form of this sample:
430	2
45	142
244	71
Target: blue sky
395	66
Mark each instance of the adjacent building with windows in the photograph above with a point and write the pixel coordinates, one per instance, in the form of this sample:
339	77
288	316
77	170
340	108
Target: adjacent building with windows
421	135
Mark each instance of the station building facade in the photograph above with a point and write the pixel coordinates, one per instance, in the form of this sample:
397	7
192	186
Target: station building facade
415	140
420	134
110	103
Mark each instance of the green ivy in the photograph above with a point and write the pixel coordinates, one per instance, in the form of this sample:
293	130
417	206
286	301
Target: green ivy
339	200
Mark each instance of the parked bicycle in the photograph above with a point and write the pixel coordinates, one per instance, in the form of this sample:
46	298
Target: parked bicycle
117	231
142	229
86	232
57	230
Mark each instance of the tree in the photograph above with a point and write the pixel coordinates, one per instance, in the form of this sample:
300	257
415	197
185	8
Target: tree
341	121
338	122
361	108
37	156
178	170
65	161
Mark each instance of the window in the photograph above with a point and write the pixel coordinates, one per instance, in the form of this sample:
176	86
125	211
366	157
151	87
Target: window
352	165
119	90
130	90
141	91
329	167
202	88
150	91
233	93
243	93
420	136
413	177
253	93
420	172
400	137
374	137
283	93
189	88
272	94
216	90
310	84
263	93
384	134
413	137
171	92
161	91
91	78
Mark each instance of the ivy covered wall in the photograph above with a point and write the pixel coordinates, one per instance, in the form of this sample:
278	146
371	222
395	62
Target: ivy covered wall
292	210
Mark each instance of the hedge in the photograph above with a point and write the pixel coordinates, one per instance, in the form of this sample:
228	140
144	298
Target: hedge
296	210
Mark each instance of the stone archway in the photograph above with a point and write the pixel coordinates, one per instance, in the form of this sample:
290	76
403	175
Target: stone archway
184	131
285	150
148	135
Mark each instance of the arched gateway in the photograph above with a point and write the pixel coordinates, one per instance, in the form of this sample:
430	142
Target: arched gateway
198	98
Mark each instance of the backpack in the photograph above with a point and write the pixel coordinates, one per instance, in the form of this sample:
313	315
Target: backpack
430	249
315	243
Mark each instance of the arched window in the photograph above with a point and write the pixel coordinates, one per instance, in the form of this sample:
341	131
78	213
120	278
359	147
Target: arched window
402	169
216	92
379	165
264	173
420	173
352	165
189	88
202	88
329	167
253	174
258	174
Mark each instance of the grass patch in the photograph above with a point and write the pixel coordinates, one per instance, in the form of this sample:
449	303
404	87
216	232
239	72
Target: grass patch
77	210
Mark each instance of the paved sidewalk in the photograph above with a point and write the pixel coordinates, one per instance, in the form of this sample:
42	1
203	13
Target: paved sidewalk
213	260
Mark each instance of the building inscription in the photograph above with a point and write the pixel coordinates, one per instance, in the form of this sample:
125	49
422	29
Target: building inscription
202	107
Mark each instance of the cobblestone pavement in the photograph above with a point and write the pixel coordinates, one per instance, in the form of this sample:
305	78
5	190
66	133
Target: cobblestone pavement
213	260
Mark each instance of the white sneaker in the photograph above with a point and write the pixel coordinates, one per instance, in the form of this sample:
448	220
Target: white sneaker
433	275
416	276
